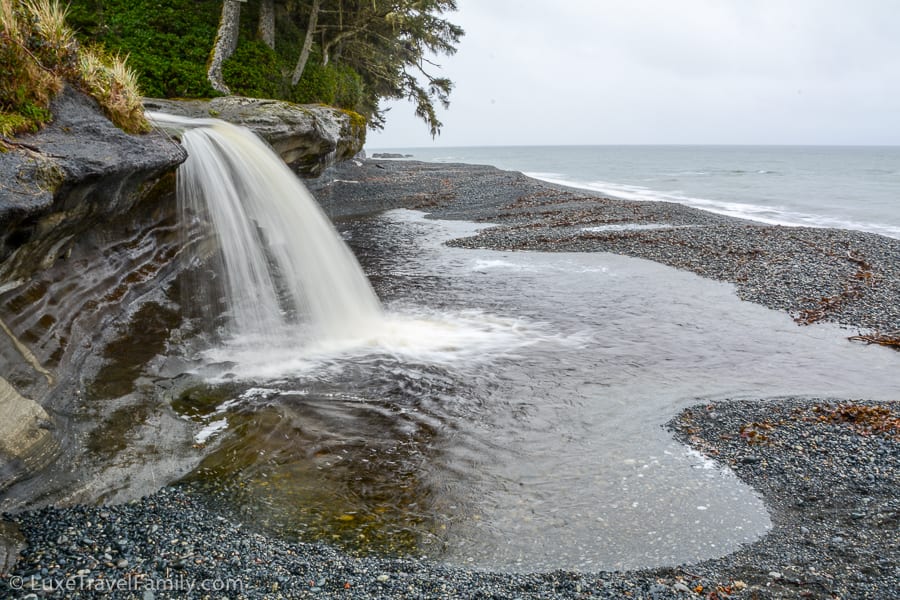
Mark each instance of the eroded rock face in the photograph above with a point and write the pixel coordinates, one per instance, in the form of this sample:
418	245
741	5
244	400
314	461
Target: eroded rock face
26	443
87	230
308	137
60	181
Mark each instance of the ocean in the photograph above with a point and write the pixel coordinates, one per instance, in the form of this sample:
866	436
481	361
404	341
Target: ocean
845	187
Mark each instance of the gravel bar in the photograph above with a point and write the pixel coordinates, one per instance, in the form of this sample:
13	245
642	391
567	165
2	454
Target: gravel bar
826	468
818	275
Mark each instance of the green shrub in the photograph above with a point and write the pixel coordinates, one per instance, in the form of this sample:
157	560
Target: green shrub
349	90
26	86
314	86
13	123
167	41
329	84
253	70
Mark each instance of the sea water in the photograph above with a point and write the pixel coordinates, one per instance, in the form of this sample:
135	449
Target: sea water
846	187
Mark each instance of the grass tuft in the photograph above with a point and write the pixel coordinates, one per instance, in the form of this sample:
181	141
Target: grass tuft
50	23
26	85
110	80
39	51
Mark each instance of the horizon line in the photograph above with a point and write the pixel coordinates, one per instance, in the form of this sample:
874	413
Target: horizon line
638	145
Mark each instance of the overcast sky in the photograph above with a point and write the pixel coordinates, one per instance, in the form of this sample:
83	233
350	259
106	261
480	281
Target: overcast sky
667	72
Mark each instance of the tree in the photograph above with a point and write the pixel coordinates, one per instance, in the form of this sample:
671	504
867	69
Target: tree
390	44
266	27
354	53
225	44
307	42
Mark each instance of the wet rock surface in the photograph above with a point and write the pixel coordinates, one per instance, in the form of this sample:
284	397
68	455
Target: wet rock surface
26	442
79	203
308	137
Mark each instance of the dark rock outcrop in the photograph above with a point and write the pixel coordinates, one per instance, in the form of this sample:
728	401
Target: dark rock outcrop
60	181
391	155
87	226
308	137
90	248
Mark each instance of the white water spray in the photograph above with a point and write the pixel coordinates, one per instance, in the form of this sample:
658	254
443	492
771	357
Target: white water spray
283	258
296	297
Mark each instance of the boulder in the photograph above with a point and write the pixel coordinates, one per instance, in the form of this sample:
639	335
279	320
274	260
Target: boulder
309	137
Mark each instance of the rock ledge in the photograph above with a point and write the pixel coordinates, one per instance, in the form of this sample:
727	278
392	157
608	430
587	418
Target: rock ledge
309	137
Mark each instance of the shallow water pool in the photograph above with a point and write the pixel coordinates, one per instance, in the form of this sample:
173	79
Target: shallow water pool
507	413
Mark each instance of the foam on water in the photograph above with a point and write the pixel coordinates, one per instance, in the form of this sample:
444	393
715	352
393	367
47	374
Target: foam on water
210	430
769	214
414	336
628	227
485	265
297	298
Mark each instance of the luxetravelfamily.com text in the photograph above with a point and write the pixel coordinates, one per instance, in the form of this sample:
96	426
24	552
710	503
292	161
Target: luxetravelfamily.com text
132	583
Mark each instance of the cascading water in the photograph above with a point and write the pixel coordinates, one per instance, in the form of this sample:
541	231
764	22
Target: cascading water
283	259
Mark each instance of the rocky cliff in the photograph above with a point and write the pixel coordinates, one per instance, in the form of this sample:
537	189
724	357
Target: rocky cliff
90	241
308	137
87	226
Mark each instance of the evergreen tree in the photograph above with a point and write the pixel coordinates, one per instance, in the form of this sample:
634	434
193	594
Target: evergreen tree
350	53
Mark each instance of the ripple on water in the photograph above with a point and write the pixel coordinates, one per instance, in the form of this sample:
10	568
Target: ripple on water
514	424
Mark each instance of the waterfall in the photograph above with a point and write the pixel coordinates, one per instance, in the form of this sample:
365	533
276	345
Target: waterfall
283	260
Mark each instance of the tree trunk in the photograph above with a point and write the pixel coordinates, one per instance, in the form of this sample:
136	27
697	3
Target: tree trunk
266	28
336	40
225	44
307	43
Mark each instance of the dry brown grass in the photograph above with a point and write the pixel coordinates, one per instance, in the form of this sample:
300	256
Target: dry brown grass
109	79
50	22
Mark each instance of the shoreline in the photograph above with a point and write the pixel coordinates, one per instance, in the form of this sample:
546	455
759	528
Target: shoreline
847	277
774	185
828	476
828	473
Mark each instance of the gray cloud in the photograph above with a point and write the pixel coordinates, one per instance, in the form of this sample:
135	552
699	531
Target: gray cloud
658	71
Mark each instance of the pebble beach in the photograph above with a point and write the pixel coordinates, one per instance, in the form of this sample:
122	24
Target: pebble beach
818	275
828	469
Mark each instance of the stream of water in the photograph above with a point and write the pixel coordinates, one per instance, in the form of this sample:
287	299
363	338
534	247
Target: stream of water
516	424
502	411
